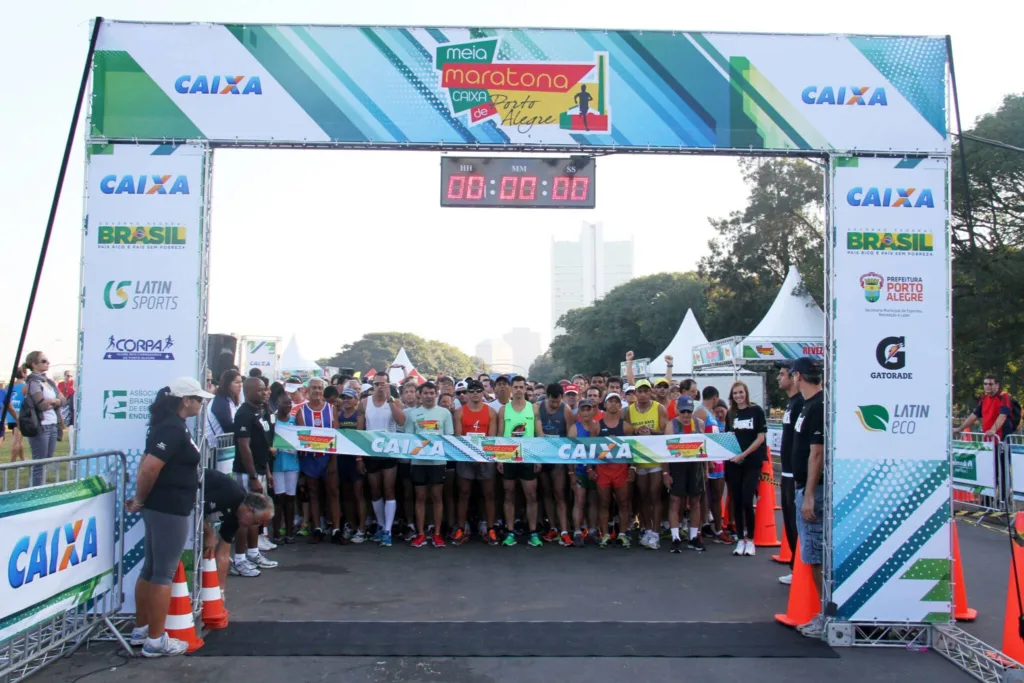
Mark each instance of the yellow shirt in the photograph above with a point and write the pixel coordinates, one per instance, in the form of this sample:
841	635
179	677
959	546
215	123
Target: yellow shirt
650	419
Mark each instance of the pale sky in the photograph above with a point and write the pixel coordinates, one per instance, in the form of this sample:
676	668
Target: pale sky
453	268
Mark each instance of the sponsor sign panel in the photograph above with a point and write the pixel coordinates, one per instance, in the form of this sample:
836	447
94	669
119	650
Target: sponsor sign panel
557	88
639	368
714	352
781	350
890	390
260	353
57	547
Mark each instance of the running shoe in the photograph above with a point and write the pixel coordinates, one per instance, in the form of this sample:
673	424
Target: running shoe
708	531
347	531
624	541
243	568
606	541
491	536
655	542
410	533
750	549
577	539
696	544
261	562
510	539
419	541
164	646
815	628
459	537
786	580
565	540
359	536
534	540
289	540
645	538
551	536
303	530
385	540
139	636
677	546
265	545
519	528
338	538
437	540
377	535
318	535
481	528
741	547
723	538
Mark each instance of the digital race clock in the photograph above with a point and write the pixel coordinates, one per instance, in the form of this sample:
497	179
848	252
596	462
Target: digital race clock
518	182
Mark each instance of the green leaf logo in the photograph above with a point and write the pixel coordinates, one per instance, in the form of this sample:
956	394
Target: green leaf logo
873	418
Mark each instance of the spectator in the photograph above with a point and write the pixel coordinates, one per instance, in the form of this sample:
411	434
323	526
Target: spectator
67	389
993	409
42	394
255	372
17	395
220	418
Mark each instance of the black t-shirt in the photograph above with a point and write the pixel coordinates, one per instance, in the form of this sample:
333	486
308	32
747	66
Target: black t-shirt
789	418
746	425
221	497
808	431
174	492
253	424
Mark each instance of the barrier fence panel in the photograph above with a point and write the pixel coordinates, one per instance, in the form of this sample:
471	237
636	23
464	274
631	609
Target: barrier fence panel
978	461
62	541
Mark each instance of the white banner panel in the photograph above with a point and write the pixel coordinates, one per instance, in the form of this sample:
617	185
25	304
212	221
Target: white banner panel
890	390
262	353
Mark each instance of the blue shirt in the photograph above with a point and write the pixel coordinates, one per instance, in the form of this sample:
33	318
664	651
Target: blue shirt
16	399
286	461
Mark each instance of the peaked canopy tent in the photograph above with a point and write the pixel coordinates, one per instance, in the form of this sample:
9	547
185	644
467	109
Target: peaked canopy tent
395	375
295	364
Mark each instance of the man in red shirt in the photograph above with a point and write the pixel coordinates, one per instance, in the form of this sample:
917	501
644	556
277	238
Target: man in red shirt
993	409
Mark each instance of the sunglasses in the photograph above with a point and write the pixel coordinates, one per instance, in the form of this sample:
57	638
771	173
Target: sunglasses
476	391
460	393
685	412
586	407
43	360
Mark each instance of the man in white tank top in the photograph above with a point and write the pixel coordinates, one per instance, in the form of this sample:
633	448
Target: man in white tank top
382	414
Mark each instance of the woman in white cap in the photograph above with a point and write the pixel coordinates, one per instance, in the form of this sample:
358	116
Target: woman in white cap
165	494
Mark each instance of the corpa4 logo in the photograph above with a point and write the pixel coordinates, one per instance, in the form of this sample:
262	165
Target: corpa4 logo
906	197
863	95
52	551
218	85
144	184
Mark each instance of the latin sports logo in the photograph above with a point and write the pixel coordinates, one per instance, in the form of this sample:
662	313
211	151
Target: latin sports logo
891	197
114	296
876	418
150	295
686	449
858	95
317	443
872	284
52	552
144	184
218	85
914	243
523	94
139	349
168	236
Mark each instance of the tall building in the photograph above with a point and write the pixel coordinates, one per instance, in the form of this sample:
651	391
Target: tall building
584	271
497	354
525	345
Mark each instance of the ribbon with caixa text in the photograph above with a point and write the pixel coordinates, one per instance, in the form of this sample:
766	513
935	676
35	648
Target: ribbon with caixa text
545	450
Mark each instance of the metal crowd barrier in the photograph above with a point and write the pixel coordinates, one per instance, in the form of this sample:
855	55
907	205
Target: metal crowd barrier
26	652
983	482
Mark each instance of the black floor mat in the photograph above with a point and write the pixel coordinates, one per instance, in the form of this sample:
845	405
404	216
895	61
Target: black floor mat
509	639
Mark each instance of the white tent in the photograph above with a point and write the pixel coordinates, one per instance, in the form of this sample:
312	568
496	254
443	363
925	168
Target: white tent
680	348
295	364
395	375
794	326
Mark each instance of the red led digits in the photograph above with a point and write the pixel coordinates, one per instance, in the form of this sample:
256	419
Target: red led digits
528	187
561	188
509	183
579	189
456	186
475	188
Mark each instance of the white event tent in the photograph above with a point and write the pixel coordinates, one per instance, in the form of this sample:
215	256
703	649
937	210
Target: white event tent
294	363
794	326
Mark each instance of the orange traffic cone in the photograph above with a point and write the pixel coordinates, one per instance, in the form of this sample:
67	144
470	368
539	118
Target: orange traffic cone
804	603
214	614
961	612
726	516
785	555
1013	646
179	623
765	534
771	472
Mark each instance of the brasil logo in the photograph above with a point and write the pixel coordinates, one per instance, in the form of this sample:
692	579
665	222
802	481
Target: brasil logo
522	94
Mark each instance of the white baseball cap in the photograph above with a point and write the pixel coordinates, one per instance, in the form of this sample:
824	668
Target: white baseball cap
187	386
291	387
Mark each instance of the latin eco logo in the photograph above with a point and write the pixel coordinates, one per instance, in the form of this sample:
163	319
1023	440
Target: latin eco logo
151	236
523	94
908	243
148	295
903	420
891	197
122	404
218	85
52	552
858	95
897	288
139	349
144	184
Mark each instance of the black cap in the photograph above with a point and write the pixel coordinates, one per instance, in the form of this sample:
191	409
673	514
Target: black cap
806	366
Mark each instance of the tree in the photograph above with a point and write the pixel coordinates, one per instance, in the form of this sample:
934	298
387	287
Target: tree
377	350
781	226
641	315
545	369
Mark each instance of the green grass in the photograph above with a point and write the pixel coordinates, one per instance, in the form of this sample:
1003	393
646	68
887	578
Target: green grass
7	481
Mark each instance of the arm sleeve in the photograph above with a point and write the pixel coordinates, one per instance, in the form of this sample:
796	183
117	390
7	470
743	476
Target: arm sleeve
817	426
163	443
977	411
760	424
241	426
222	413
449	428
1004	406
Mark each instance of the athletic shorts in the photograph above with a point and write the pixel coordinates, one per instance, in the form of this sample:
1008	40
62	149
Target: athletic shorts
348	470
285	483
428	475
476	470
547	468
522	471
243	479
716	470
374	465
811	533
314	466
612	476
450	465
644	470
688	479
404	470
583	481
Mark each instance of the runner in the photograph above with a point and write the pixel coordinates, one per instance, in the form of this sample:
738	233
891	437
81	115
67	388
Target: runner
13	406
648	417
571	396
686	481
502	393
595	395
599	381
715	418
615	385
286	473
743	472
583	428
381	413
475	419
788	487
351	468
253	436
555	419
321	470
428	475
410	400
613	476
630	391
517	419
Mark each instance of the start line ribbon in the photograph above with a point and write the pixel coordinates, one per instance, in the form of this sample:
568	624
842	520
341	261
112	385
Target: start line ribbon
543	450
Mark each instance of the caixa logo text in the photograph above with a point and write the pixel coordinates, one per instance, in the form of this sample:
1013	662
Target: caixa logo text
907	197
218	85
863	95
52	551
144	184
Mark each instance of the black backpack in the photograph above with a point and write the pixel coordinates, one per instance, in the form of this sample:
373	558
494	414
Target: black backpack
28	418
1014	414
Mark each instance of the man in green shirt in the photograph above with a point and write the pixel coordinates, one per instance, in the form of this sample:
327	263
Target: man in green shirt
428	418
516	419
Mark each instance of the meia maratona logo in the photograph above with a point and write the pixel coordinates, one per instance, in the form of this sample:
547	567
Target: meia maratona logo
570	95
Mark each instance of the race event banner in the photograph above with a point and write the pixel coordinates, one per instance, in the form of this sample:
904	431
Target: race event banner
57	545
261	354
974	466
542	450
890	390
141	310
449	87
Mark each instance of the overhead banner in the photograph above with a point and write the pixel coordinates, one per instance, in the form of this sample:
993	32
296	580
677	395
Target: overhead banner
542	450
57	545
774	350
141	309
448	87
261	354
890	390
